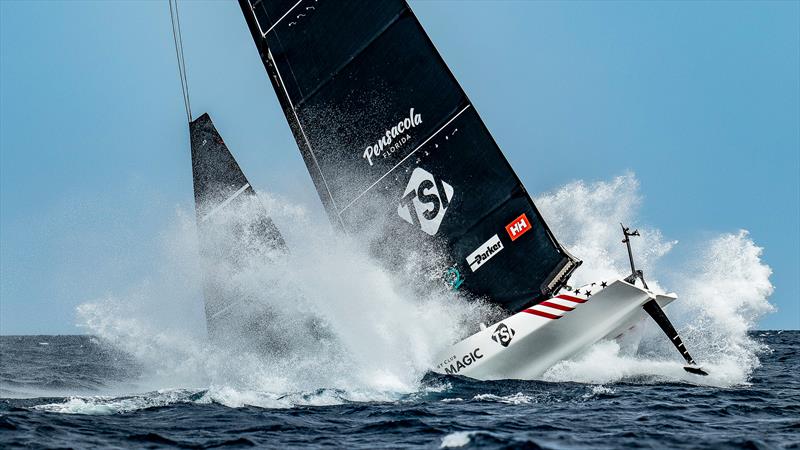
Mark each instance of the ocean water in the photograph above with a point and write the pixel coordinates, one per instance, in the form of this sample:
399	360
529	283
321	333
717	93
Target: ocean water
349	345
57	392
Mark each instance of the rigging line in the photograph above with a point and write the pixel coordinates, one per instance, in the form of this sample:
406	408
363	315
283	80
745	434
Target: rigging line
178	57
181	67
183	60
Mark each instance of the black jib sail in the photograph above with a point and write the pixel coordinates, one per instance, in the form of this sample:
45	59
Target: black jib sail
233	226
398	153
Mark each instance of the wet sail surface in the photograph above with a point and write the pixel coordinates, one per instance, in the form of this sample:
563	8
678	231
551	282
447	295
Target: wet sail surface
397	152
234	231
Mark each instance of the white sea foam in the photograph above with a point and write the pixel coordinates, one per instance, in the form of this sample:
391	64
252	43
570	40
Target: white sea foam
514	399
598	390
378	338
104	405
458	439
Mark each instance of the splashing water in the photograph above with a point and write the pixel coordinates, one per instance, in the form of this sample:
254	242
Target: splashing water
380	339
377	339
586	219
722	291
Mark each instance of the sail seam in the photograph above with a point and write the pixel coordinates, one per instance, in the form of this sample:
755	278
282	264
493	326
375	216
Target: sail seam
405	158
282	17
305	138
356	54
226	202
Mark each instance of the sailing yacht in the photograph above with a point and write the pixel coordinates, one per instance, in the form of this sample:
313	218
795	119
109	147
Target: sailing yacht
402	161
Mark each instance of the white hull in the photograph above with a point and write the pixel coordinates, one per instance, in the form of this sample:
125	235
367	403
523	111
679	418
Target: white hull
528	343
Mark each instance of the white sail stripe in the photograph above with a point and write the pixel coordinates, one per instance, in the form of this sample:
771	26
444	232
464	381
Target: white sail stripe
548	310
226	308
279	20
226	202
403	160
305	138
562	302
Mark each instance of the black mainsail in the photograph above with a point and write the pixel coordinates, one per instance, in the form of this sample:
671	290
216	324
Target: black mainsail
234	230
397	152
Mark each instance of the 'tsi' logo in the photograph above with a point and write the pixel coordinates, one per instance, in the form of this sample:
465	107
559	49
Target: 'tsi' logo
503	334
518	227
425	201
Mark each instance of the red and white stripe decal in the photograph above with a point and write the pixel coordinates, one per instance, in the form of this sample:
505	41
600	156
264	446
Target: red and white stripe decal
556	307
571	298
536	312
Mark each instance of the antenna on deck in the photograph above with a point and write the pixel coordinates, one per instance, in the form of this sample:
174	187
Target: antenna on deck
654	310
627	241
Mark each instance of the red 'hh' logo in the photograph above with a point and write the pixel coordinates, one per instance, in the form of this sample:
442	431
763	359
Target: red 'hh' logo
518	227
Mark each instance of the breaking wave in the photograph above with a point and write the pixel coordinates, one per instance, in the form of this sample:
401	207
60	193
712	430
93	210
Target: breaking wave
380	338
103	405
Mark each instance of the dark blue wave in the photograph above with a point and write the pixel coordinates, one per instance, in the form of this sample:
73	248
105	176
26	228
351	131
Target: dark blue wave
763	414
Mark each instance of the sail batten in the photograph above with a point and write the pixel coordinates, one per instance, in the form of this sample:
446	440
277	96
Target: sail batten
398	153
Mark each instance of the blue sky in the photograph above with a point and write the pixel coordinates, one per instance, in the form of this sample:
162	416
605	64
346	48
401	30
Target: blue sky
700	99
